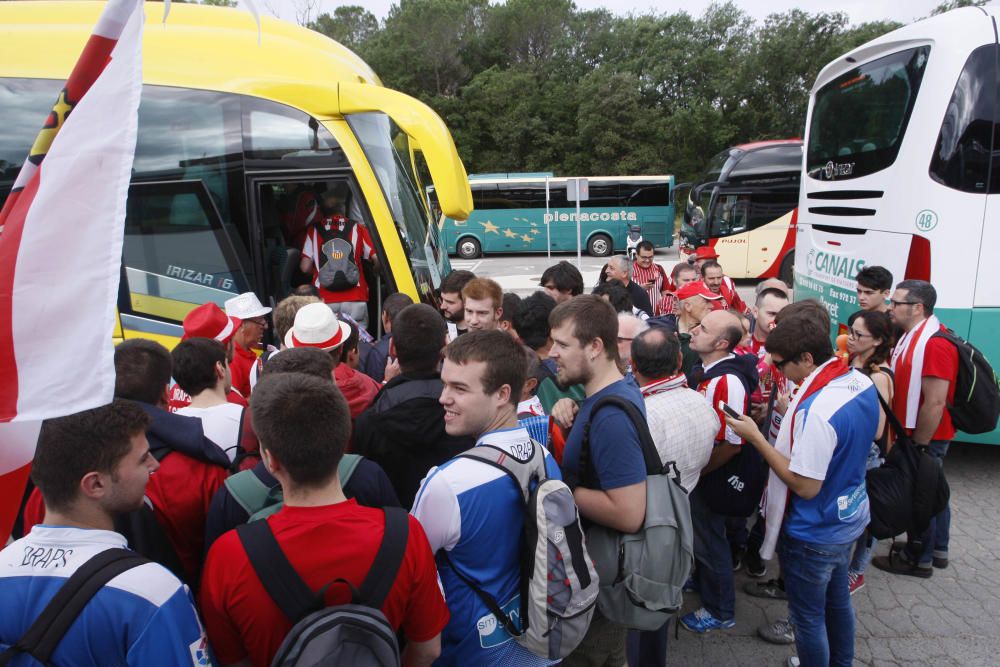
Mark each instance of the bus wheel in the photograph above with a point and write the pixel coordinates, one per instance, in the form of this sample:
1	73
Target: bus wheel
785	272
469	248
599	245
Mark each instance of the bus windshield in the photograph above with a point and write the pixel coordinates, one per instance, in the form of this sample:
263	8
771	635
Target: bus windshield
387	149
859	118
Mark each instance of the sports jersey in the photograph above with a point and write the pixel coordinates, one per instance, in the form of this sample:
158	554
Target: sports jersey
729	389
475	513
363	249
221	424
731	298
656	275
144	616
322	544
833	432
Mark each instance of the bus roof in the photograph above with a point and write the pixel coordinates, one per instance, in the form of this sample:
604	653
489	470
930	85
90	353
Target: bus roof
510	176
204	47
755	145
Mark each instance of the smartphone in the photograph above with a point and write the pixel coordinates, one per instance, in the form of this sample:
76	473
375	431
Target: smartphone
728	410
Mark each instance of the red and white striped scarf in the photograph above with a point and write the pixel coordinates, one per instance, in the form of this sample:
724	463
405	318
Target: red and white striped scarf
908	368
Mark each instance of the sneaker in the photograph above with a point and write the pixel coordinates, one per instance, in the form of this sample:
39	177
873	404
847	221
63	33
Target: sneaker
855	582
779	632
769	589
702	621
754	564
940	562
737	558
897	563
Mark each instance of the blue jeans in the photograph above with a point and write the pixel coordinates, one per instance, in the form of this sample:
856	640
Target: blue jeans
933	542
715	562
819	604
863	547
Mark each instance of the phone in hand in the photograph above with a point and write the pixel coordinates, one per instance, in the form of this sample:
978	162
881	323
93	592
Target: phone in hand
728	410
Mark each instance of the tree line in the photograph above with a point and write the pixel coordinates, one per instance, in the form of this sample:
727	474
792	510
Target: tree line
540	85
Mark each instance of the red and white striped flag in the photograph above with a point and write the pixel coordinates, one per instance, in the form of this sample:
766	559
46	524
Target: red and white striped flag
61	235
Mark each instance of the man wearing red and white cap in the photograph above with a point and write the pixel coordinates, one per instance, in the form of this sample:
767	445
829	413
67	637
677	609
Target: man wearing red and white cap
208	321
253	314
701	255
695	301
317	326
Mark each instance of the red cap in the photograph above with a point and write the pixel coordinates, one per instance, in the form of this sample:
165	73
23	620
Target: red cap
210	321
696	288
705	252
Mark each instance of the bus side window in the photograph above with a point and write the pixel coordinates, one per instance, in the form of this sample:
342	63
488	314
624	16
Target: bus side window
177	253
961	158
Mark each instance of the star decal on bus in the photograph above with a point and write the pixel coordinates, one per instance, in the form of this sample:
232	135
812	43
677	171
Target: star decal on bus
490	227
509	233
535	230
527	238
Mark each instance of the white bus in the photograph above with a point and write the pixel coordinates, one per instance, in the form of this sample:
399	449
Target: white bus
901	143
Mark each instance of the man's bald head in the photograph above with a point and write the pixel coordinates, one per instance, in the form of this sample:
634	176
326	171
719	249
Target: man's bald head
724	325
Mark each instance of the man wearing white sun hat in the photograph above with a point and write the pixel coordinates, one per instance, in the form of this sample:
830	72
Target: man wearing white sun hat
317	326
253	316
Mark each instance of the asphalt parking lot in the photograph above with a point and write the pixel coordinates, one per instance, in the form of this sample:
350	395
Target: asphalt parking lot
949	619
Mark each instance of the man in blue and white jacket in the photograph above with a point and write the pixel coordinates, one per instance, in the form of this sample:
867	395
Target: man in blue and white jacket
90	467
472	512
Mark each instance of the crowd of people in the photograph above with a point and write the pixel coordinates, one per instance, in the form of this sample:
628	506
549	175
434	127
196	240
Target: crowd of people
316	437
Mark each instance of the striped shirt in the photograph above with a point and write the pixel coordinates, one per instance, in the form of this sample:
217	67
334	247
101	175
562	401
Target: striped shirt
729	389
654	274
363	249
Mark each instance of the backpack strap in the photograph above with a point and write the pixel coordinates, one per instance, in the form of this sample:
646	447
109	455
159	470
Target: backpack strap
283	584
44	635
487	599
522	472
651	457
248	490
348	464
382	574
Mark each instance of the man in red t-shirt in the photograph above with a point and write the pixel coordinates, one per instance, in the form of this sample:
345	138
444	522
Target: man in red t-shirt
925	368
330	228
303	424
248	337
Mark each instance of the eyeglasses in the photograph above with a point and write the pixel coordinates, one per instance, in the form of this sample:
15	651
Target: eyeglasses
259	321
894	303
851	333
780	365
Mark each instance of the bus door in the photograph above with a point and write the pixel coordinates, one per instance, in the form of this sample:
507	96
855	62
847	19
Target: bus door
770	223
728	225
177	254
282	208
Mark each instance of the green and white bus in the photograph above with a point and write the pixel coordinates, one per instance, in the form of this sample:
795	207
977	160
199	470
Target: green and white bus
524	213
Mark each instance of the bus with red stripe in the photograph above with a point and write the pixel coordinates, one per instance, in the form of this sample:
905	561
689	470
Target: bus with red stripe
745	206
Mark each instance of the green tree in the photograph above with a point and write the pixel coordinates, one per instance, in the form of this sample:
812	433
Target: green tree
351	25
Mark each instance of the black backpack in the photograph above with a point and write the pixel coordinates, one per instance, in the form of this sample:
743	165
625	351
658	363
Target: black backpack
907	490
44	635
976	406
357	633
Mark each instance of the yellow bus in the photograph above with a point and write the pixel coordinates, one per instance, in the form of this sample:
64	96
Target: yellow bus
234	137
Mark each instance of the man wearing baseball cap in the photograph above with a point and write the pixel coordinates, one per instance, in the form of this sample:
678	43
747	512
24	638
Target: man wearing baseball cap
701	255
695	301
208	321
253	316
317	326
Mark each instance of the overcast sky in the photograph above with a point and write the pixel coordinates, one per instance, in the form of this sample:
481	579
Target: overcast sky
859	11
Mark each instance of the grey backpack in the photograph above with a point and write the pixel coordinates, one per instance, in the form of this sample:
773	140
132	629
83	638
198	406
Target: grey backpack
558	580
642	574
356	634
339	271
